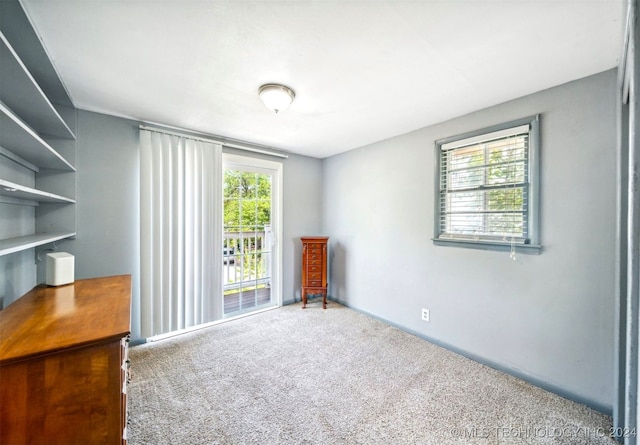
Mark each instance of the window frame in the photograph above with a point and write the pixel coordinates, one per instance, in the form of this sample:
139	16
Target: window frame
532	206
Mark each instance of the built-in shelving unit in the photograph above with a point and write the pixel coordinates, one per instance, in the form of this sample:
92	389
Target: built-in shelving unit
37	141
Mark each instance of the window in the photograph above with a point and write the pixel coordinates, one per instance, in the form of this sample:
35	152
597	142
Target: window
487	191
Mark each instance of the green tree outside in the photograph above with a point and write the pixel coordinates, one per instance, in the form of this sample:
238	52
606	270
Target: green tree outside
247	201
247	211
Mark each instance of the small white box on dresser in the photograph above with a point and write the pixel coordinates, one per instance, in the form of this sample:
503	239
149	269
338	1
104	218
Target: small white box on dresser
60	268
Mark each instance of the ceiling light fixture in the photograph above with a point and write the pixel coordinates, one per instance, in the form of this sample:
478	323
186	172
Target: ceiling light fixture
276	97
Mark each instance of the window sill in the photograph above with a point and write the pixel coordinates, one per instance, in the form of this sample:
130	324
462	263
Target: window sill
529	249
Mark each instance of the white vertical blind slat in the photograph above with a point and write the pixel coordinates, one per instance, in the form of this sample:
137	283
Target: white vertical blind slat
146	250
190	235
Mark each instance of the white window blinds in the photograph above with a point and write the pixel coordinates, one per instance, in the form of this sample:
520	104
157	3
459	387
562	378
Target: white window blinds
484	187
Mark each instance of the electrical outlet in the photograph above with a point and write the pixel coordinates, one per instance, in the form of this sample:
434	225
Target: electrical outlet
425	314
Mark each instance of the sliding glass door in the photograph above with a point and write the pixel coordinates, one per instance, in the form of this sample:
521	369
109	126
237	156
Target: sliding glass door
251	225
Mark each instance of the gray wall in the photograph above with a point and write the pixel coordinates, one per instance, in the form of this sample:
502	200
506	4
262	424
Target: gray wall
547	318
108	204
108	235
302	197
17	272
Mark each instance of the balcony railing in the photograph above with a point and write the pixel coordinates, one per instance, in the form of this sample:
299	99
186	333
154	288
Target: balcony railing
246	269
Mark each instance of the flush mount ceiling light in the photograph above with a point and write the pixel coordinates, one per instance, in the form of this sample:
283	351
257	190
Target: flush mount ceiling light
276	97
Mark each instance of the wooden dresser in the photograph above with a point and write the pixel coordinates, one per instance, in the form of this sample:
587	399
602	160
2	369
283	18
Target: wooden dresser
63	364
314	268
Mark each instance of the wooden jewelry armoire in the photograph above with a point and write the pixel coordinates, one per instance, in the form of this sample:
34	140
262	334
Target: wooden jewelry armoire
314	268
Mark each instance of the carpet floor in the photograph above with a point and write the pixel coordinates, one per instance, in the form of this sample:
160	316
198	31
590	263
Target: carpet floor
336	376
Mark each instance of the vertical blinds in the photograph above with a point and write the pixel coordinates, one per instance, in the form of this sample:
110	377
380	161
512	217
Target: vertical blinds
484	187
180	232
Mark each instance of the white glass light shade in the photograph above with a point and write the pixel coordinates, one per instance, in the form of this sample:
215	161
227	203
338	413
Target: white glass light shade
276	97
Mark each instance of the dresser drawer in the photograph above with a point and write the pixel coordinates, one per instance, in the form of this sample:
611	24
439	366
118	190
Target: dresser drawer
311	269
315	283
314	276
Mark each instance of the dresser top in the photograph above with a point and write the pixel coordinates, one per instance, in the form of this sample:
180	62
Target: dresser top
49	319
314	238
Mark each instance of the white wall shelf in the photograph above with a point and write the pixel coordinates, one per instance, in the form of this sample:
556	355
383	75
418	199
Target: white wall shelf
17	244
25	97
22	140
13	190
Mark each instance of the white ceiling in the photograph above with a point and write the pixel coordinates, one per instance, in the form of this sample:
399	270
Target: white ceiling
362	71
